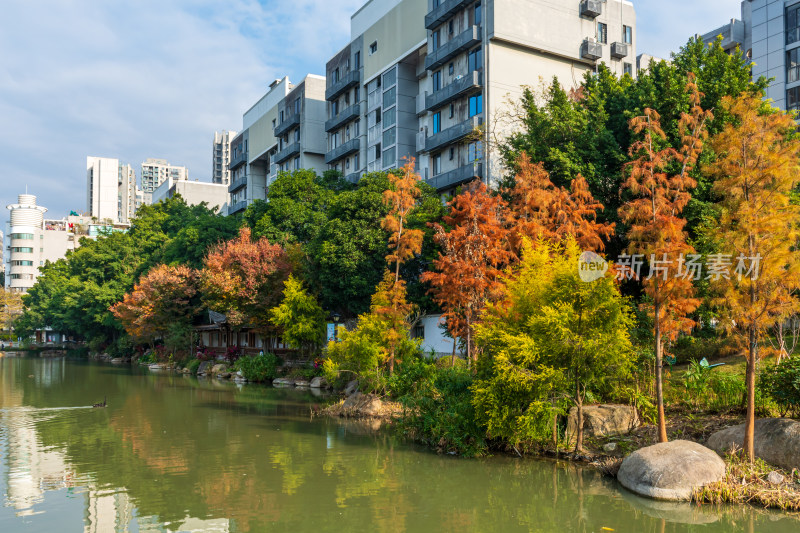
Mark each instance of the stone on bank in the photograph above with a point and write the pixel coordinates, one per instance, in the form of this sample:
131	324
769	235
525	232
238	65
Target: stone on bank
777	441
670	470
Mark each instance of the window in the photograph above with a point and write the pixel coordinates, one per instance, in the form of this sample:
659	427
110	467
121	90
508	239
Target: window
23	236
346	99
627	68
388	158
297	163
357	60
452	110
475	105
347	164
274	123
475	60
452	152
602	32
297	107
478	14
627	34
435	41
390	77
22	263
356	95
373	47
474	151
437	164
437	123
792	67
297	135
389	97
418	332
389	117
336	75
389	136
792	103
450	69
281	116
22	249
437	80
792	24
356	127
355	162
334	108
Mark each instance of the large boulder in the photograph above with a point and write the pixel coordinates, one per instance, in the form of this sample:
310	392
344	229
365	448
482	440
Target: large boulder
358	404
670	470
205	368
219	369
351	388
602	420
319	382
777	441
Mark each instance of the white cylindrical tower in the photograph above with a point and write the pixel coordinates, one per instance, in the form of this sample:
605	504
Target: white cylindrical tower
25	228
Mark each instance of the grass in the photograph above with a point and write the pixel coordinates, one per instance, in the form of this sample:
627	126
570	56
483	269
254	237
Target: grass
747	483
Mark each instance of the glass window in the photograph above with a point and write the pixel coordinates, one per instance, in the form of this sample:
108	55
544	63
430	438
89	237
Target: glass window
450	69
21	249
474	151
437	80
373	47
452	110
478	14
389	97
627	69
390	77
355	162
389	117
793	99
627	34
437	164
475	105
792	24
452	152
356	127
602	32
793	65
23	236
389	136
437	123
475	60
357	60
297	135
388	157
435	41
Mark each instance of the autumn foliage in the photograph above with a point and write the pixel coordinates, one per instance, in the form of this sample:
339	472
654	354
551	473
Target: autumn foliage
401	198
244	279
166	295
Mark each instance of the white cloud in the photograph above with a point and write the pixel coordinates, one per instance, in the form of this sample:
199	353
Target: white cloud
141	79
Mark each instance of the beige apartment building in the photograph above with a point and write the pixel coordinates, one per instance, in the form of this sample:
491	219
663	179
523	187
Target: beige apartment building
433	79
221	158
156	171
283	131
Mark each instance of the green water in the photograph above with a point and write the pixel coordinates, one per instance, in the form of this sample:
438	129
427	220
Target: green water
171	453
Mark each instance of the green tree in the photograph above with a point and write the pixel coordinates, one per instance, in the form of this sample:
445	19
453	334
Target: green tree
299	317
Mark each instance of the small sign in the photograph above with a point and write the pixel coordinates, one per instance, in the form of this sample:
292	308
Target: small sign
331	331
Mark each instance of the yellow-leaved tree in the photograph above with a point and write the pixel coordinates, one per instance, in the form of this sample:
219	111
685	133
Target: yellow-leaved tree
756	168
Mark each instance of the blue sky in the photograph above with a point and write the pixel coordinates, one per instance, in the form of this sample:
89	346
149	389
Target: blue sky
151	78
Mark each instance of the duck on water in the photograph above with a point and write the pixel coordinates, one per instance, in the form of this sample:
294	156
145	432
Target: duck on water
101	404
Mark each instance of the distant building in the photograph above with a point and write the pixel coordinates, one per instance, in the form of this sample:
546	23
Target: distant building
110	190
127	193
643	61
283	131
221	157
156	171
31	241
215	195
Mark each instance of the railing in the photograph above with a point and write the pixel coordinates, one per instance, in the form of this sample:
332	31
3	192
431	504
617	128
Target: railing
237	184
464	40
237	207
237	160
351	146
458	87
287	152
351	113
345	82
289	122
591	50
457	176
452	134
442	12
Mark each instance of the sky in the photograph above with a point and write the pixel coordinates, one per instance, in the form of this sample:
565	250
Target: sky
132	79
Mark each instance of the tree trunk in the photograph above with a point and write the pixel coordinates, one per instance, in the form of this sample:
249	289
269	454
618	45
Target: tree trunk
748	449
579	405
662	422
555	427
453	357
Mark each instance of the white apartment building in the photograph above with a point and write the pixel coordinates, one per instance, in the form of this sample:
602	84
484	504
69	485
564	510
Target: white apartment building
111	190
127	191
215	195
31	241
156	171
437	87
221	157
283	131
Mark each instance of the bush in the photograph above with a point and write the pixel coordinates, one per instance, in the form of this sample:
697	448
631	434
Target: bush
262	367
440	412
193	365
781	383
409	375
688	348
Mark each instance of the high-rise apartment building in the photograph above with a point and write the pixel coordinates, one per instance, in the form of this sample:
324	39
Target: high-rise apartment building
127	190
437	87
221	158
155	171
768	34
110	189
31	241
284	130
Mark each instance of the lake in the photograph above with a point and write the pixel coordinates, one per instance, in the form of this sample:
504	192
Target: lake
174	453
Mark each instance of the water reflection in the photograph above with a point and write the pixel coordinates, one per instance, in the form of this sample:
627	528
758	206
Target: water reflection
171	453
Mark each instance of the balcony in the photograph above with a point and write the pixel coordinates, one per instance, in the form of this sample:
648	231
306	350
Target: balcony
345	82
237	160
619	50
353	177
591	50
463	41
238	207
420	104
237	184
468	84
456	177
591	8
444	11
351	113
286	153
290	122
452	134
343	150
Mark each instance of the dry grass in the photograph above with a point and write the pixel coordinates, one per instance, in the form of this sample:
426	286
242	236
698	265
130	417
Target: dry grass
747	483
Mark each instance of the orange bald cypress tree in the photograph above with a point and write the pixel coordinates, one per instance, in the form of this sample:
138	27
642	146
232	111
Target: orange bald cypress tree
656	226
756	169
475	251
